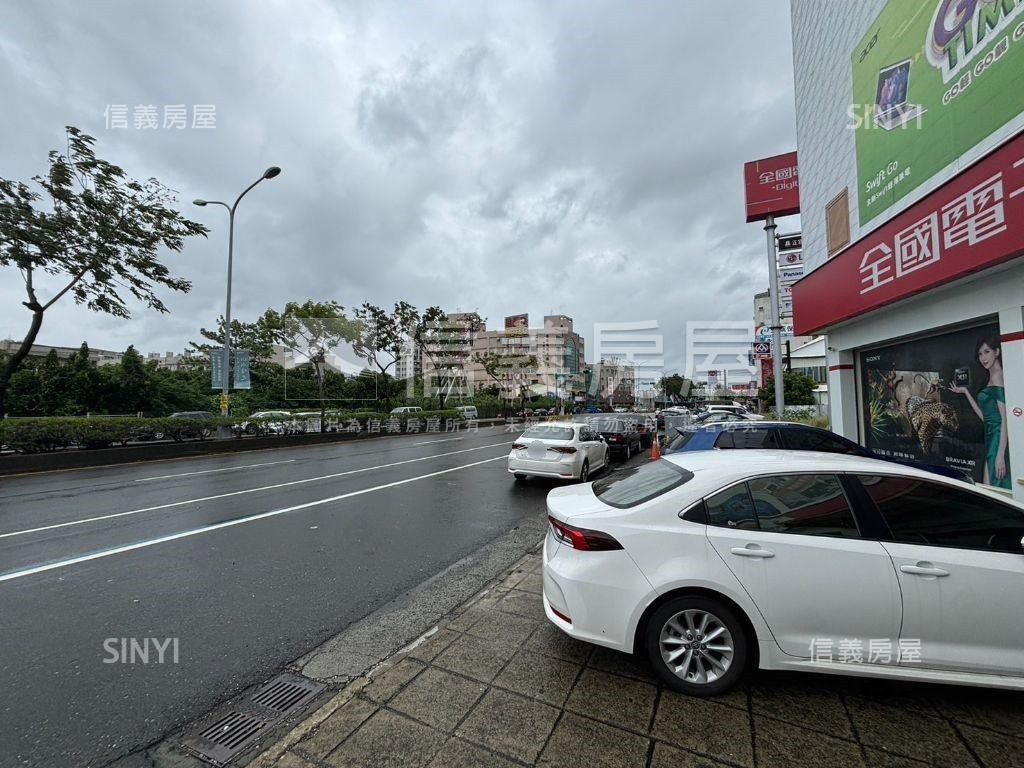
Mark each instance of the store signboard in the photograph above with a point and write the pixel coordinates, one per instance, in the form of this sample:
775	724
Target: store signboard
971	223
791	274
791	259
921	400
772	187
517	325
792	242
932	79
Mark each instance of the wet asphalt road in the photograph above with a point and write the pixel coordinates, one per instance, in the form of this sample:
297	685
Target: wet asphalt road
241	597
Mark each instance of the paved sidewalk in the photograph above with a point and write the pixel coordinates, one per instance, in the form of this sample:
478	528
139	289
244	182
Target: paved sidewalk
499	686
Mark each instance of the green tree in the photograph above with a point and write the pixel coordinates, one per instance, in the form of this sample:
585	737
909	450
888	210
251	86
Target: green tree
797	389
133	383
313	331
82	382
96	230
675	386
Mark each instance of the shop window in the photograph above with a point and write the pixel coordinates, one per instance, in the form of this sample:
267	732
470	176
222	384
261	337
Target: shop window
837	222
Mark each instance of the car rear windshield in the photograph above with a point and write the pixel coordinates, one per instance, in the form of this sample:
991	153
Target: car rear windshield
629	487
549	433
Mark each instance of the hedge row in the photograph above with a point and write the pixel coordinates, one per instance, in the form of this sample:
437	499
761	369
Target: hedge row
41	435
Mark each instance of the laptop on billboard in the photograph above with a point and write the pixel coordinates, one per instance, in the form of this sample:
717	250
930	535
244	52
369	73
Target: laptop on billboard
891	107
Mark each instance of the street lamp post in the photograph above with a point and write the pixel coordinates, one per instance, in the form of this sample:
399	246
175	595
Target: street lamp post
270	173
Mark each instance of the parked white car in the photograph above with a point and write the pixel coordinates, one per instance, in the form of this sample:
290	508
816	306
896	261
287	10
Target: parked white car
738	410
712	561
408	409
563	449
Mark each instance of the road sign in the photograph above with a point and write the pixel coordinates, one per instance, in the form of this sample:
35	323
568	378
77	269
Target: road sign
242	380
217	368
791	242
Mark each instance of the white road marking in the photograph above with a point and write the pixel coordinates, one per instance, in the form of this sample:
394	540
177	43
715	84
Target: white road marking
442	440
229	523
239	493
211	471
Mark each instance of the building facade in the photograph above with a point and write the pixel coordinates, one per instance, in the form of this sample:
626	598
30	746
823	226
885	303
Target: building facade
909	129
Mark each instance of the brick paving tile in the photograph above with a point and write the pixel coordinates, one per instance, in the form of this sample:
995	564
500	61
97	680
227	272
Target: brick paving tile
388	740
433	645
510	724
704	726
387	683
291	760
533	582
438	698
805	702
522	604
336	728
1001	711
508	626
994	749
621	664
613	699
459	754
551	641
665	756
581	743
476	657
539	677
909	734
781	745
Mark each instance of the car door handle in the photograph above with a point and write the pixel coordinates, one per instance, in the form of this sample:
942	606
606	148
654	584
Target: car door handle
924	569
754	551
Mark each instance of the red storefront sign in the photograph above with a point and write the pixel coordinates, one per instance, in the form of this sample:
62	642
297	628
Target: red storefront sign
970	223
772	187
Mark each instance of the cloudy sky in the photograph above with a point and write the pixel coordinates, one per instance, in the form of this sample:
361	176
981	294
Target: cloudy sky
545	157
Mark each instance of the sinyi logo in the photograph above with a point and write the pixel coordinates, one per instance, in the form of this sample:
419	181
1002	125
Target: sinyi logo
144	650
960	29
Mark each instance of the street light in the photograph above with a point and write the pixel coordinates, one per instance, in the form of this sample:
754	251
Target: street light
270	173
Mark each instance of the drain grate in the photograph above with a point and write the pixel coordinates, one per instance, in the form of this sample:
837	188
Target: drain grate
234	731
284	693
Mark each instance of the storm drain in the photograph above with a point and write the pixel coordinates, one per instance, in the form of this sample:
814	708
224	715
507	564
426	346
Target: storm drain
248	717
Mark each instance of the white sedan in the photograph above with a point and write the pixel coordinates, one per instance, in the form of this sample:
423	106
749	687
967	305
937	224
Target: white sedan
714	561
559	449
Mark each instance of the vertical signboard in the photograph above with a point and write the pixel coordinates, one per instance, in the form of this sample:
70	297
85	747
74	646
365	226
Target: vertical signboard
242	379
772	187
218	368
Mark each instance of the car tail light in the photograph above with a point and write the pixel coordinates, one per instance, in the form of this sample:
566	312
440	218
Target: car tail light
560	615
616	438
518	446
562	449
582	538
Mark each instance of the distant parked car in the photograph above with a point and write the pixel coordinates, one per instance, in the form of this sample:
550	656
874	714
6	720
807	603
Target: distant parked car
265	422
739	410
789	436
194	415
468	412
712	417
621	435
407	409
558	449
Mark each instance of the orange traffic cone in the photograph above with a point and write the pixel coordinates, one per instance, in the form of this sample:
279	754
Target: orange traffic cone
656	449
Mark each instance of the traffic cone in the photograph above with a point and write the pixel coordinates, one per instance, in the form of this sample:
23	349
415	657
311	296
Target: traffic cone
656	449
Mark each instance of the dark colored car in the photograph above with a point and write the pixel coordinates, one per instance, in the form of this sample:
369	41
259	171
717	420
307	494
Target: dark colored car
644	423
194	415
621	435
787	436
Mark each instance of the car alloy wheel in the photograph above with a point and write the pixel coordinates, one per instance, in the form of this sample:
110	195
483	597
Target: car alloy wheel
585	471
697	646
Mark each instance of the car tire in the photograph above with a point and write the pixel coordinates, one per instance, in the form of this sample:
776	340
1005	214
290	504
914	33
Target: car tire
629	451
585	471
710	669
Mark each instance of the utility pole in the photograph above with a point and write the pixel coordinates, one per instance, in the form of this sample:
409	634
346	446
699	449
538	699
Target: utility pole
773	293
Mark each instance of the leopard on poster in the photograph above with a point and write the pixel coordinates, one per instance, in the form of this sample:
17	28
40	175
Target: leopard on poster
940	400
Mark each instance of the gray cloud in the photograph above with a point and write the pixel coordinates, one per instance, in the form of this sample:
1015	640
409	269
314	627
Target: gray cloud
576	157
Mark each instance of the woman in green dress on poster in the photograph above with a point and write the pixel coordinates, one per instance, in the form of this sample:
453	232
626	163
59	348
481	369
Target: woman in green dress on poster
991	409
